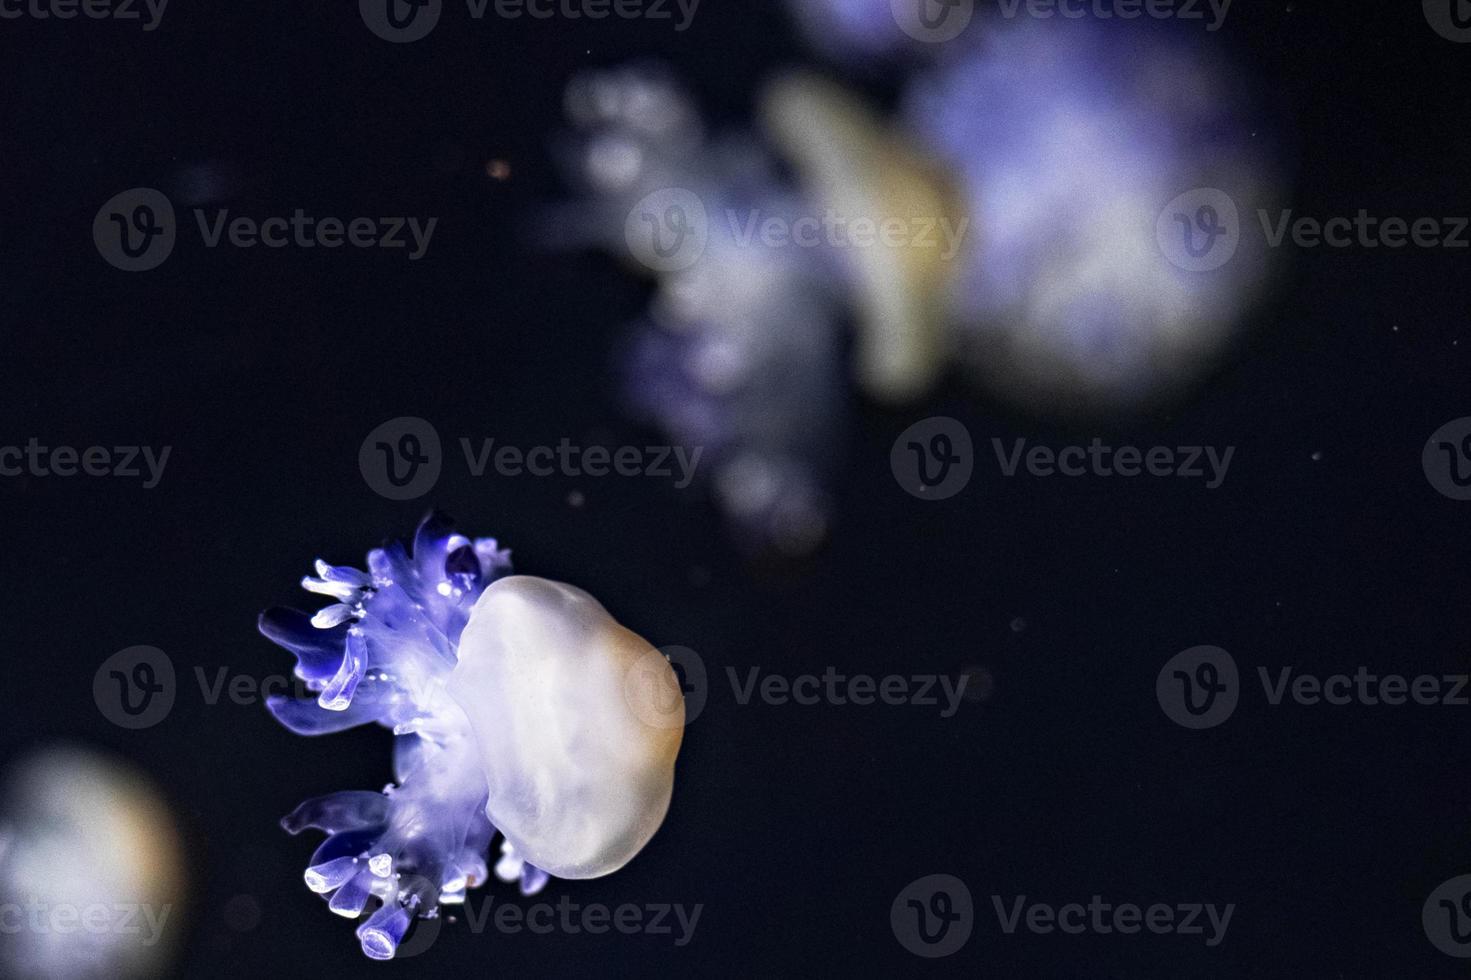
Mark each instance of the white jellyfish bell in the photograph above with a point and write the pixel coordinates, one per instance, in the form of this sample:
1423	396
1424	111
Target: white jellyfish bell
578	721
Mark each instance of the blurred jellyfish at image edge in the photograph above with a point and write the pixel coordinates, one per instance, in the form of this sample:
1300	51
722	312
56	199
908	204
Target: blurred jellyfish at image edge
519	706
1054	183
91	870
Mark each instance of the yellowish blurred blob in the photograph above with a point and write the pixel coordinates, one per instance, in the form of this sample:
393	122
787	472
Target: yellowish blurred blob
854	167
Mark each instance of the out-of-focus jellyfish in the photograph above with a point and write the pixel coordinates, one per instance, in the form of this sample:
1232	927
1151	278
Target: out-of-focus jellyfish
91	870
520	707
851	164
741	352
1110	173
1071	198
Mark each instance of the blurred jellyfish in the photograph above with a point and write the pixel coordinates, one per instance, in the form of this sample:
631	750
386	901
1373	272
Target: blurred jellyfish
1073	196
851	164
1110	173
740	352
91	870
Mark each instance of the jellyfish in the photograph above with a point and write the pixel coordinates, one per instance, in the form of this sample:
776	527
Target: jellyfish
519	707
84	835
741	351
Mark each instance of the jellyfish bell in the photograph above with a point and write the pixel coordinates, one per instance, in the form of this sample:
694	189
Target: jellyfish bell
578	776
856	169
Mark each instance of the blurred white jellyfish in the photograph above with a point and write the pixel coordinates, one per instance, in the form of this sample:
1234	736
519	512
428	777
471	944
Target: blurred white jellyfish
91	870
740	351
1111	175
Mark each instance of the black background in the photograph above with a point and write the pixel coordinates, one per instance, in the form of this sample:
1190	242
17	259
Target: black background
794	826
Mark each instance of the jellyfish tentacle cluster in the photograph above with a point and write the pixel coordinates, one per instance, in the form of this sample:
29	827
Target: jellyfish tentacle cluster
393	650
